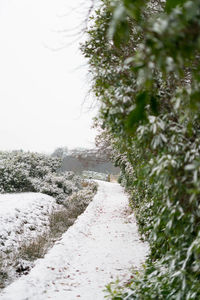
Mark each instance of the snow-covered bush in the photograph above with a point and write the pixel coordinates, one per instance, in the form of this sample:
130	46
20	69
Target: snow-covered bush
54	185
33	172
78	201
18	170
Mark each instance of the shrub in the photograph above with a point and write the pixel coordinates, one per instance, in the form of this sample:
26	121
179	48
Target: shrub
3	272
18	170
78	201
35	248
33	172
59	222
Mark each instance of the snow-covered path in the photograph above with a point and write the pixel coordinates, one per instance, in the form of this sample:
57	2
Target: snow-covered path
102	244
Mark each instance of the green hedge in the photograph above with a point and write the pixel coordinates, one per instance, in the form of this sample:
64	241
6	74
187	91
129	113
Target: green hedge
144	59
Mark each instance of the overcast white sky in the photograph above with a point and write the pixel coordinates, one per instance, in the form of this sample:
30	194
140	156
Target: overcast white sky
41	90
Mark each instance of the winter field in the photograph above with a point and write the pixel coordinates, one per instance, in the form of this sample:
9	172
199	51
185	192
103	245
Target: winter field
102	245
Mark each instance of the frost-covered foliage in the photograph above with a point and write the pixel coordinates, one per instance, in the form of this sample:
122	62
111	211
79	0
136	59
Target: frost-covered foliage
55	185
145	71
79	200
33	172
18	169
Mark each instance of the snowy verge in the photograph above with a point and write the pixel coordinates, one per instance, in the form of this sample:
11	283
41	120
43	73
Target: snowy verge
102	245
23	218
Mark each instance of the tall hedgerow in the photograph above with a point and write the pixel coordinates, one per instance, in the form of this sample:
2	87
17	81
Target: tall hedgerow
144	64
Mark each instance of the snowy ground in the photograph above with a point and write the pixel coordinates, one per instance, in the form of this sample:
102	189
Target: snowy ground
102	244
23	216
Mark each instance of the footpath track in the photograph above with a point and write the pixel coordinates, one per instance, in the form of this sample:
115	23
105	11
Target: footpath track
101	246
